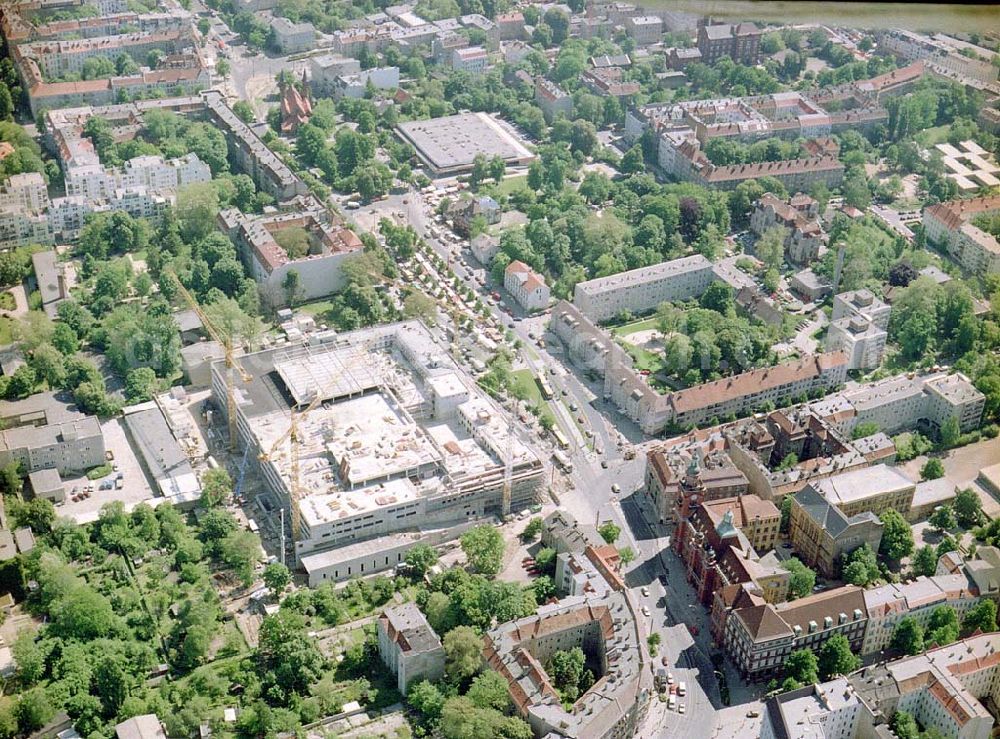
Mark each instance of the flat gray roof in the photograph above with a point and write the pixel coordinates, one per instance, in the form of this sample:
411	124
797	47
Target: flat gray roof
452	142
166	461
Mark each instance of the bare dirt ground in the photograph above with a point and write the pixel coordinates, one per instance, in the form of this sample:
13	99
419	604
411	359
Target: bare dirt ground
651	340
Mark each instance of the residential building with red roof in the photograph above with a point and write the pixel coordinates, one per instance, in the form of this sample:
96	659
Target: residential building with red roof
526	286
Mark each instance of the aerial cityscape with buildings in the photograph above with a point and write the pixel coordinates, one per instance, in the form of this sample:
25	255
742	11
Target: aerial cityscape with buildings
499	370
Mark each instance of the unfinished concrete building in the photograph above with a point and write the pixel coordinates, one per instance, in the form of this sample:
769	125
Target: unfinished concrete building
401	441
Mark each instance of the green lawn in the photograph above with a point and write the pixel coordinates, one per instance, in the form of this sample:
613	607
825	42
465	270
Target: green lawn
7	301
6	334
525	380
316	308
644	360
510	184
931	136
646	324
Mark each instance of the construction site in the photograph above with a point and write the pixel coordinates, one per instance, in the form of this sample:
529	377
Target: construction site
375	440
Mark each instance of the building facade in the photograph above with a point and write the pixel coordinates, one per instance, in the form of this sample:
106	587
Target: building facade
408	645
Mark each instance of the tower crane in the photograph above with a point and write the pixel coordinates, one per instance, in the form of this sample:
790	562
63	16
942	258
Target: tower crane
508	466
291	434
231	365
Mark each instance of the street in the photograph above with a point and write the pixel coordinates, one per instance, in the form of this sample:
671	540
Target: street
589	497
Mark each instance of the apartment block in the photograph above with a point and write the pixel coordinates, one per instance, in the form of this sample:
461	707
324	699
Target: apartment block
822	535
552	99
949	224
860	339
641	290
903	402
760	447
917	599
611	635
644	29
408	645
861	304
759	638
739	393
942	54
946	689
799	217
70	447
319	271
740	42
592	348
526	286
291	38
472	59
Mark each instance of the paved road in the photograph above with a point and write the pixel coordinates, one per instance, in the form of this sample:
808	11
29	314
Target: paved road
673	608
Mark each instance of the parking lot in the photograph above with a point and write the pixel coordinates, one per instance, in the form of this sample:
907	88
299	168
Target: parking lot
135	487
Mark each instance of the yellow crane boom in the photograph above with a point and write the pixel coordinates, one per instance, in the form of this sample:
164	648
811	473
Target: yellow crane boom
231	365
292	436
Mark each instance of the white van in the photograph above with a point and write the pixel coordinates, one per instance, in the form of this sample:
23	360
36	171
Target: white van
681	688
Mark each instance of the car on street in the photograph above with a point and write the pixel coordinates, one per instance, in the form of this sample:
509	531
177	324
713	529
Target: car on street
680	708
616	488
663	580
664	661
645	592
604	464
645	610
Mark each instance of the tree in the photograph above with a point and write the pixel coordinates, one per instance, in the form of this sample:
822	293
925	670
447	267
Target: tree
908	636
932	470
484	548
633	162
868	428
291	285
33	710
943	519
566	668
786	514
545	560
140	384
924	561
942	629
803	667
463	649
802	578
420	305
426	698
625	557
216	487
861	567
770	247
836	658
950	433
489	690
276	578
982	617
288	661
533	529
904	726
421	558
244	111
718	297
241	551
609	532
968	508
897	536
